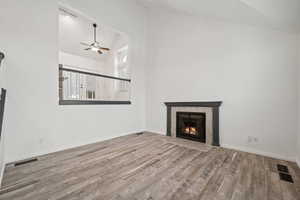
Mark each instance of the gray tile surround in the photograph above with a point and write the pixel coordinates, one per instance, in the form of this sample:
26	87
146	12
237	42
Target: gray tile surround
212	117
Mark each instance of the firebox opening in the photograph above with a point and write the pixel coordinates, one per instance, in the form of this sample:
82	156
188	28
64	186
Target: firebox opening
191	126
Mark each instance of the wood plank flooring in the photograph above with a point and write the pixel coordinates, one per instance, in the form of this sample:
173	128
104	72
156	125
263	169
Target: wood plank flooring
149	167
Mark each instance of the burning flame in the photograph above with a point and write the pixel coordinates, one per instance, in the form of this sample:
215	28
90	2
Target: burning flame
190	130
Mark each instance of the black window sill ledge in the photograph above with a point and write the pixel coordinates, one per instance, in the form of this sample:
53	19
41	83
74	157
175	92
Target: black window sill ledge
77	102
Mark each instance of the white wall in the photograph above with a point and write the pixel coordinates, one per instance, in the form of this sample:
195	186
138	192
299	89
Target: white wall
2	139
36	123
252	70
298	144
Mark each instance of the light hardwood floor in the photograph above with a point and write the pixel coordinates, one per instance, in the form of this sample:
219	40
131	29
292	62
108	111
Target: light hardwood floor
149	167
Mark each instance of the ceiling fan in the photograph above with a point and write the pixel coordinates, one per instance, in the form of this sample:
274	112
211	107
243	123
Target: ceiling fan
95	46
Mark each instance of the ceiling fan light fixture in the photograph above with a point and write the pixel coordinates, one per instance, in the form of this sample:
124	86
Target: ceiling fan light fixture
94	48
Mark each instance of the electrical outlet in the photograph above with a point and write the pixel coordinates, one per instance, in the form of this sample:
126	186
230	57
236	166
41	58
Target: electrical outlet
41	141
250	139
255	139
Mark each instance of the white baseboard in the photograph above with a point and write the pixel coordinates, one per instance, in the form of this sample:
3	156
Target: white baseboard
258	152
248	150
158	132
65	147
1	173
298	161
239	148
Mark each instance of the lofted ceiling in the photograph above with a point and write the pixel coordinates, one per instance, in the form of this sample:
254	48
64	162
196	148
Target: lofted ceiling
73	30
278	14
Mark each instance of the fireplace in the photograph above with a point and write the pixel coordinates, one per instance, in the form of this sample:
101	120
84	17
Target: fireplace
191	125
197	121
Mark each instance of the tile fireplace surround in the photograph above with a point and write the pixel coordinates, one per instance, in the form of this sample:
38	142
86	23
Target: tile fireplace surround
211	110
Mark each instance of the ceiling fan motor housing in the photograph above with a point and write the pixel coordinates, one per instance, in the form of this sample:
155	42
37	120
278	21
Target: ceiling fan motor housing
95	45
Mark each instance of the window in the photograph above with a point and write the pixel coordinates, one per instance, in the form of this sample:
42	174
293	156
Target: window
94	62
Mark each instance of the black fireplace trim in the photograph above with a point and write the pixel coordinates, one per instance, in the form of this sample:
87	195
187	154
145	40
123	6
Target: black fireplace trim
211	104
195	103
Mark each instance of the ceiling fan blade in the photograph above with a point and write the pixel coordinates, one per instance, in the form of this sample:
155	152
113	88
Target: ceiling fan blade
105	49
100	52
87	49
85	44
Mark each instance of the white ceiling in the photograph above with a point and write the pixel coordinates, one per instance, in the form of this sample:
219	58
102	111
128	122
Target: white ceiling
278	14
73	30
